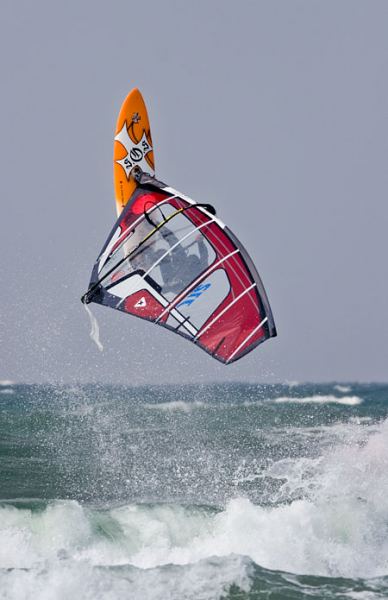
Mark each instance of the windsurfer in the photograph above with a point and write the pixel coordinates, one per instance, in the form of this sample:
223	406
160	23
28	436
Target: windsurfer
180	266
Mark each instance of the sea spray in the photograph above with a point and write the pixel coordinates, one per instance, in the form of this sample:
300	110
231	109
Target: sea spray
95	330
199	492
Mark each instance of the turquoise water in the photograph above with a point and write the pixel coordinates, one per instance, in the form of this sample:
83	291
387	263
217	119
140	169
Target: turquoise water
197	492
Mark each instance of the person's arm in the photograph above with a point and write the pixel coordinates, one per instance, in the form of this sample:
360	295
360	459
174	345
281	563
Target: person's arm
172	240
203	252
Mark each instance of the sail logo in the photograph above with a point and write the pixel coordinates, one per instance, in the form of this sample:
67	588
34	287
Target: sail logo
136	152
141	303
196	293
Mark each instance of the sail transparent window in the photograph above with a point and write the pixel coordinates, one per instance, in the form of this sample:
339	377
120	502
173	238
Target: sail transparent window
168	248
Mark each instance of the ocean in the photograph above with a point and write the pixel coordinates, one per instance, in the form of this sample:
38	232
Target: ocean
235	491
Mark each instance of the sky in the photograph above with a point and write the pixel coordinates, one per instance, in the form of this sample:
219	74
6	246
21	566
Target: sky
275	112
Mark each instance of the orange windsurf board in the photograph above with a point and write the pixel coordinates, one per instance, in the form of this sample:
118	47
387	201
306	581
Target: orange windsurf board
132	147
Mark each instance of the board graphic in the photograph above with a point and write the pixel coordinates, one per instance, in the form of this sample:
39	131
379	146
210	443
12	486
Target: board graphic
132	147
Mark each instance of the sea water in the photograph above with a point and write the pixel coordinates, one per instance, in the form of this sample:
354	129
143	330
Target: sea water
207	492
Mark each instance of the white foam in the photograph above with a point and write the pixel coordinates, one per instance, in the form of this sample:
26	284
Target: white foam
336	530
176	405
68	580
345	400
69	552
95	330
292	384
344	389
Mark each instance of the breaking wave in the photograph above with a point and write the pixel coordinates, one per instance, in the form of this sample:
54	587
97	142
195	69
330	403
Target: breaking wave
344	389
176	405
337	527
344	400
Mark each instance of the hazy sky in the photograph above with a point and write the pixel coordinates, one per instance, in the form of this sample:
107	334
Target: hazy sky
275	112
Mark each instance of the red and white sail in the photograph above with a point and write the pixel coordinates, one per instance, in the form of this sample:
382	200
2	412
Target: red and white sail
171	261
